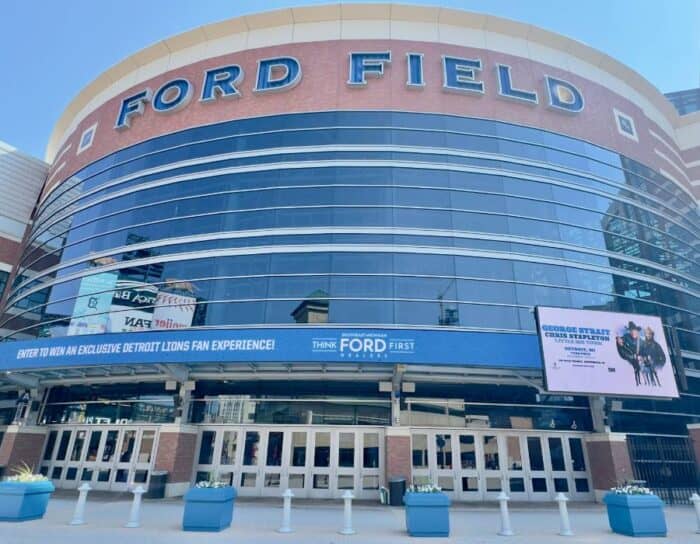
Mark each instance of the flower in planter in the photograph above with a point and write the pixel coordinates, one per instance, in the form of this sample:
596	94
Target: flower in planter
24	474
425	488
211	484
631	489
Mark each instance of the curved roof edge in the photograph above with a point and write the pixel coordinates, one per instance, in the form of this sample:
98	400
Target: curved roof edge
87	100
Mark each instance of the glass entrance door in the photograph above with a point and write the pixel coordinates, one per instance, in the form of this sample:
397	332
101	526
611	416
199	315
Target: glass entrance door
106	457
319	462
478	465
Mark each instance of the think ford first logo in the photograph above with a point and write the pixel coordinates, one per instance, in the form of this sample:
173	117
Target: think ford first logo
364	346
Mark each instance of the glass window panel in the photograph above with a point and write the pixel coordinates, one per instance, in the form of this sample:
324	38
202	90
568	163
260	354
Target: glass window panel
86	476
321	481
50	444
248	479
515	460
581	485
228	447
467	451
140	476
517	485
370	450
123	475
296	481
446	483
78	444
110	446
103	475
370	482
206	448
275	446
322	450
146	449
346	481
556	453
72	473
534	448
346	450
299	450
56	473
470	483
63	446
491	458
419	452
272	479
93	445
127	449
443	450
578	462
493	484
250	450
561	485
539	485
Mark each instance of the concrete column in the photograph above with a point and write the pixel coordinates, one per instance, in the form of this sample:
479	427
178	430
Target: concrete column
609	461
398	453
694	434
176	454
22	444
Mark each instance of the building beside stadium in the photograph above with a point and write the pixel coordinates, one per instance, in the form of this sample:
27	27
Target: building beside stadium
308	249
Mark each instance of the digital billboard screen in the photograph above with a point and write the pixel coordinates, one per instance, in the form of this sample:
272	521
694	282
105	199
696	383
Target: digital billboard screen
605	353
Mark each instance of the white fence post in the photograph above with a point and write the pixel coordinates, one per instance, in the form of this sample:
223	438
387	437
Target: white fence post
564	525
505	516
286	512
79	513
347	514
695	499
135	513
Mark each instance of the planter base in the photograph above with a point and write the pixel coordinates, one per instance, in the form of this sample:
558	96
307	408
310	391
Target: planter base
24	501
636	515
427	514
208	510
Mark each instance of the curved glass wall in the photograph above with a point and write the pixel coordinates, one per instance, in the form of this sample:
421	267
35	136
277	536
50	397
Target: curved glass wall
357	218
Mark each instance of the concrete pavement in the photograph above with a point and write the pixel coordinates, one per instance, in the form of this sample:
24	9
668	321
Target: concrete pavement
318	522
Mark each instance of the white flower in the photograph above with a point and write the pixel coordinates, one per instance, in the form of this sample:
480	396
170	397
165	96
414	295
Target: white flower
211	484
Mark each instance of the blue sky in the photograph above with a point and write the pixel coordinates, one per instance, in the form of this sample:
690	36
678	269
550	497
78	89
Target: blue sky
49	50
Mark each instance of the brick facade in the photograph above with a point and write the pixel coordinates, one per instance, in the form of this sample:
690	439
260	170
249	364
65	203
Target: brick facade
398	457
609	459
176	452
22	445
694	434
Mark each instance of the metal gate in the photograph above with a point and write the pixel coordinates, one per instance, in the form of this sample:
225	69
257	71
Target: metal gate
666	464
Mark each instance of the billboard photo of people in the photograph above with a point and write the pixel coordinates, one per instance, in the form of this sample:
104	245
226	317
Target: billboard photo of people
607	353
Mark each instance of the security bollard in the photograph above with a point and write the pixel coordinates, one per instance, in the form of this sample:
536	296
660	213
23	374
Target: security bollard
347	514
135	514
695	499
564	525
286	512
505	516
79	513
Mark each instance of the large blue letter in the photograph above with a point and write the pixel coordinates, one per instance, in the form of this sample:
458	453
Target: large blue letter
563	95
132	105
291	74
506	89
172	96
460	75
414	62
221	82
366	64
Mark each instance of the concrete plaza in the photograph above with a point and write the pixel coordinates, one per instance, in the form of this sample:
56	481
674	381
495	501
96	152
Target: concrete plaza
256	521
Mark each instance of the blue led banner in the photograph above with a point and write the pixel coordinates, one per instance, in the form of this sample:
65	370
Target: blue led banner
455	348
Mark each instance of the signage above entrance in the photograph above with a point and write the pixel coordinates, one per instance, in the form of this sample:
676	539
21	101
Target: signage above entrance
322	344
282	73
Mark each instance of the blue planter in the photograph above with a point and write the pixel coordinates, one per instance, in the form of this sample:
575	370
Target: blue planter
427	514
208	509
636	515
22	501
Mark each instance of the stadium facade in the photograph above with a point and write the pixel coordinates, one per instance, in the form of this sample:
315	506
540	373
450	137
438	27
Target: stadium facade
302	249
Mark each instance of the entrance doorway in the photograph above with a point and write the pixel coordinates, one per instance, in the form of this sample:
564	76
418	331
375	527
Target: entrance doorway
113	458
478	465
319	462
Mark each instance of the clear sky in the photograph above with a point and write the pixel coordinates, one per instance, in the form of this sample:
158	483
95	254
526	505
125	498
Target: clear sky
51	49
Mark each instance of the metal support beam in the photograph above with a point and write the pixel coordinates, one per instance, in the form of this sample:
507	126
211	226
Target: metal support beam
28	382
179	373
